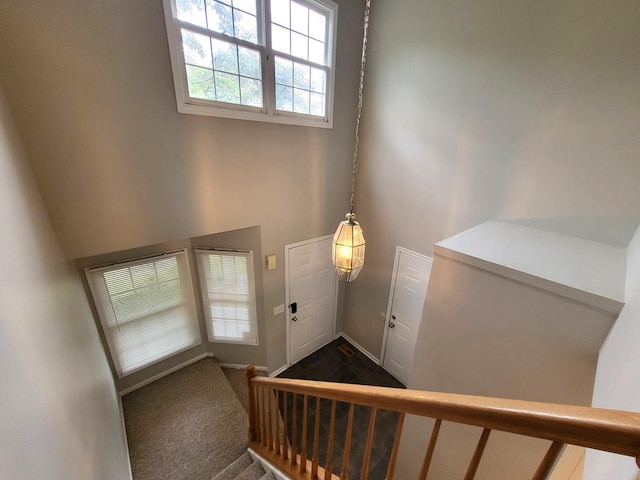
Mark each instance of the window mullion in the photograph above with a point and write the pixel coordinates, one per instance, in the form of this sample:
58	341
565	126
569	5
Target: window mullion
220	36
269	76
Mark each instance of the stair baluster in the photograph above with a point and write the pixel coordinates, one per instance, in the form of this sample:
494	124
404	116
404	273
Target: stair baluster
270	393
549	461
285	449
294	431
477	455
332	428
347	445
396	445
364	471
316	441
265	438
430	449
277	419
303	452
253	434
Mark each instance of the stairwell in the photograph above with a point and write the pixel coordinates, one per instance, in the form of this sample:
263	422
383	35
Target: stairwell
179	453
245	468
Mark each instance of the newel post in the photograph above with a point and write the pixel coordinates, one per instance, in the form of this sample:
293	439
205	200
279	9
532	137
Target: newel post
250	372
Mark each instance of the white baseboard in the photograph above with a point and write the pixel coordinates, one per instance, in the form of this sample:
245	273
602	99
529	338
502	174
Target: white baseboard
239	366
163	374
182	365
369	355
348	339
279	371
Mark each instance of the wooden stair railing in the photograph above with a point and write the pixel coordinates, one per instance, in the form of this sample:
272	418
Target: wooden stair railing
608	430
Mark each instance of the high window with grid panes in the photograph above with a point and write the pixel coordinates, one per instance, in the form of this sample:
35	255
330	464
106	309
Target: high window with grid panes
268	60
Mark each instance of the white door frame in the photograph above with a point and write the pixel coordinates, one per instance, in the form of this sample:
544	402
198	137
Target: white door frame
287	309
392	291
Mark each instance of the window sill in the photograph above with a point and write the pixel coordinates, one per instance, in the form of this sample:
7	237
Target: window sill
285	119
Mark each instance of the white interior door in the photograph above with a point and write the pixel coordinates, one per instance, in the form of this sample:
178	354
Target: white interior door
406	298
312	293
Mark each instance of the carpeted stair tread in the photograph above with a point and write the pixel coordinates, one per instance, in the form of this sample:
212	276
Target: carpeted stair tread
252	472
235	468
269	476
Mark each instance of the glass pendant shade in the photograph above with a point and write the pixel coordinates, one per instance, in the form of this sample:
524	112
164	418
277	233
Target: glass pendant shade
348	249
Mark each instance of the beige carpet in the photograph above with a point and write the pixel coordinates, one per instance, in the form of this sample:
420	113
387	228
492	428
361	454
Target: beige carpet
188	425
238	381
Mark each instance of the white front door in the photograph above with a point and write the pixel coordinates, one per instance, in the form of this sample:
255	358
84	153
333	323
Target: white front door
406	298
311	287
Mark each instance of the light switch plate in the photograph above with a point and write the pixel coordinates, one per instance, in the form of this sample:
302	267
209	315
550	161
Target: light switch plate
271	261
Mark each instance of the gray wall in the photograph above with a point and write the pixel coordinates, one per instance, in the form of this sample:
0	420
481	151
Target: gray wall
515	110
494	109
91	87
247	239
59	411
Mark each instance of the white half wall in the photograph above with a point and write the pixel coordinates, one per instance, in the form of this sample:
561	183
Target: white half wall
617	384
59	411
483	334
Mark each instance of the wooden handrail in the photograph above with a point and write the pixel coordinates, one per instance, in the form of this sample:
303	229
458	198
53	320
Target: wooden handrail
608	430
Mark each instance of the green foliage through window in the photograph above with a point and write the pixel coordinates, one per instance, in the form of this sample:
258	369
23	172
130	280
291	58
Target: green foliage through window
227	53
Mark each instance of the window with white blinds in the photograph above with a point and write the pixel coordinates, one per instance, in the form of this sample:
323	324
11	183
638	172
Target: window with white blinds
146	308
228	295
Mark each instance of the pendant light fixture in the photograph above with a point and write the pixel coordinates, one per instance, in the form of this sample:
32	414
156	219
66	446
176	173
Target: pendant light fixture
348	241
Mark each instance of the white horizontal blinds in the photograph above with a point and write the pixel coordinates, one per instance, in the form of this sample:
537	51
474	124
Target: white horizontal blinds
228	295
146	308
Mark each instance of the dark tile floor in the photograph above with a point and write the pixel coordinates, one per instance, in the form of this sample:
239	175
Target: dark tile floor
329	364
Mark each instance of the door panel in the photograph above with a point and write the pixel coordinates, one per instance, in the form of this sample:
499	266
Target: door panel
313	286
405	313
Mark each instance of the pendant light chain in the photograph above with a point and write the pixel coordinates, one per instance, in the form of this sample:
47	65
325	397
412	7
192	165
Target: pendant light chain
359	112
348	245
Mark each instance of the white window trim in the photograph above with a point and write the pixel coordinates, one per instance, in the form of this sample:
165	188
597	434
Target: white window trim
189	304
253	313
188	105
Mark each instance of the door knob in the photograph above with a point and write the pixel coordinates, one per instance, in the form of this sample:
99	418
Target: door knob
391	324
294	318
